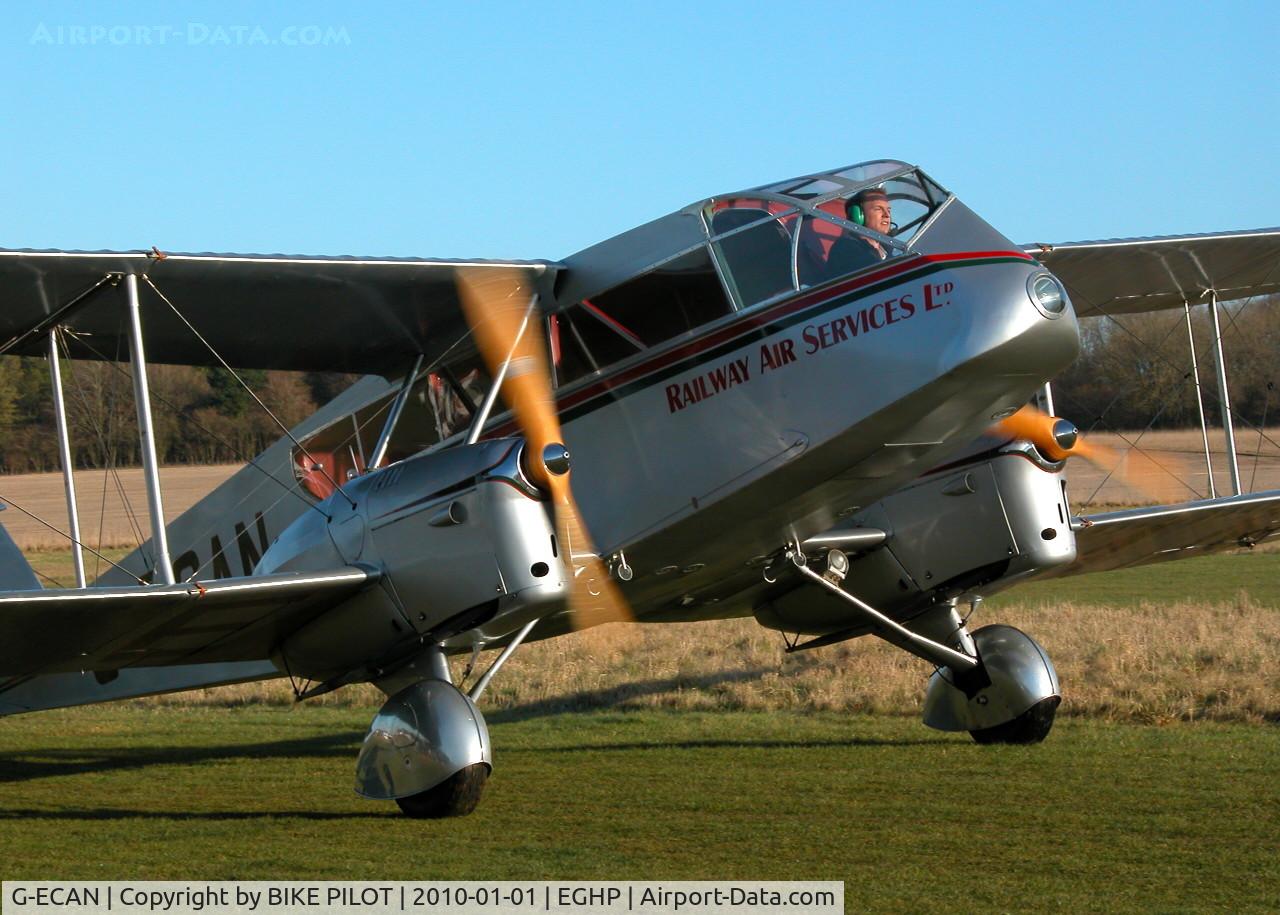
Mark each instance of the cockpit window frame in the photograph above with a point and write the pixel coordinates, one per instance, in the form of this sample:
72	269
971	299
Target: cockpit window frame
717	256
927	194
838	186
642	350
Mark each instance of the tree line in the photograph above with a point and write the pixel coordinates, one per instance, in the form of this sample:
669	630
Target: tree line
201	415
1135	371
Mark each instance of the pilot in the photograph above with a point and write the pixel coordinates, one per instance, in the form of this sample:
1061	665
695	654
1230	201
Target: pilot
870	208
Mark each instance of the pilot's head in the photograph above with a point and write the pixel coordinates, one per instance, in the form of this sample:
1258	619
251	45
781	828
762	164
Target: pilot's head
874	206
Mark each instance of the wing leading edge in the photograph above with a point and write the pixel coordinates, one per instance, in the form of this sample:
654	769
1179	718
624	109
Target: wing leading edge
109	629
1127	275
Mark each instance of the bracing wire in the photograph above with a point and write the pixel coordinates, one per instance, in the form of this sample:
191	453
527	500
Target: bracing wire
1186	377
110	471
1208	349
64	534
236	375
251	462
1266	406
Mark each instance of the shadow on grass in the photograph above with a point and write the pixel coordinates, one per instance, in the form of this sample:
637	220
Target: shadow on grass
27	765
107	813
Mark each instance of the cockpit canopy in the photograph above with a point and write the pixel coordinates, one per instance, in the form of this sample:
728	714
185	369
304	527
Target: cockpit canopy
656	284
808	231
738	251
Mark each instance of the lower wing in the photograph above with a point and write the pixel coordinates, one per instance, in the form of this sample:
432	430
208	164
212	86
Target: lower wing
110	629
1117	540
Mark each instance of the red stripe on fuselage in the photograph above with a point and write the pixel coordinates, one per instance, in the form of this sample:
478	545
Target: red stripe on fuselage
751	321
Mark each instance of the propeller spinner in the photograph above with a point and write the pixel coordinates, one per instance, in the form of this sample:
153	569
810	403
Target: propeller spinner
1057	439
496	304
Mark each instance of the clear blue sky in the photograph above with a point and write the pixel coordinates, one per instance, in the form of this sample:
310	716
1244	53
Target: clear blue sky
532	130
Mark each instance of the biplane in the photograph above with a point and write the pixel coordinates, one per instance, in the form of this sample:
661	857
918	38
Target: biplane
807	402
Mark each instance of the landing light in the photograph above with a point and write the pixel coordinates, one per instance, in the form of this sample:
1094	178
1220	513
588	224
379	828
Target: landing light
1048	294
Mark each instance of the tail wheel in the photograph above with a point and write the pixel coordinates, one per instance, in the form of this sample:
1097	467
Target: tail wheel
456	796
1032	726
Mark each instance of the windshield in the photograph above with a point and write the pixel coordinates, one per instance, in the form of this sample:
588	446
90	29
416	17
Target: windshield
807	231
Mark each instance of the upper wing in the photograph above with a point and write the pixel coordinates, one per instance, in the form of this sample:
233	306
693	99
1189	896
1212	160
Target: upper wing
1117	540
103	629
341	314
1148	274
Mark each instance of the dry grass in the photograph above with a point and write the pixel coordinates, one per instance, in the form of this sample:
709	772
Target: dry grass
1149	664
104	513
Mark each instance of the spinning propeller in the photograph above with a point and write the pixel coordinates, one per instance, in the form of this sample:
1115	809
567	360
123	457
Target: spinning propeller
1058	439
496	304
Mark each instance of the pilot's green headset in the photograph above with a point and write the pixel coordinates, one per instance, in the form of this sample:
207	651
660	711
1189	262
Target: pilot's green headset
856	216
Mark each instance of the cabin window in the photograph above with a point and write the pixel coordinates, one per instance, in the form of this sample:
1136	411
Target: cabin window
581	344
670	300
441	405
755	246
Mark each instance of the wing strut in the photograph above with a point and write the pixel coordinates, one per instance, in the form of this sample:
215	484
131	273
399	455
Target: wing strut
146	434
1204	426
393	416
482	417
64	454
1228	425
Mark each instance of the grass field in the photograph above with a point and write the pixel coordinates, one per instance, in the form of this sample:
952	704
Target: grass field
703	751
1100	817
113	506
1182	641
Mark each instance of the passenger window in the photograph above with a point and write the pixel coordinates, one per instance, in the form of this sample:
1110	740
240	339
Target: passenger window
757	252
441	404
581	344
451	394
666	302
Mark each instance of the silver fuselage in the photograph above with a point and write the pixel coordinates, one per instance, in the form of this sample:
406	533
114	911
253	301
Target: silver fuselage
697	458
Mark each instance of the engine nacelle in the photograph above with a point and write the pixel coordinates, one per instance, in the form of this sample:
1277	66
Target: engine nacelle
458	532
976	526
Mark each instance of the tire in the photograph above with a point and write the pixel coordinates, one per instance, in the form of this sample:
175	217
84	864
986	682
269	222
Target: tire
1032	726
456	796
